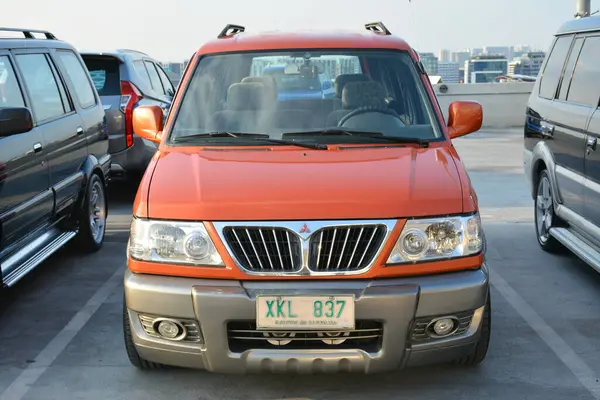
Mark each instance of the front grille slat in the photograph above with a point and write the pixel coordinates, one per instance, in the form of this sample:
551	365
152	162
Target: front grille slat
243	335
331	249
264	249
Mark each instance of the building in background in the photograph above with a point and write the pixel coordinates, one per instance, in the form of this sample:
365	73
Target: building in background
449	71
506	51
477	52
528	64
485	69
444	55
460	57
430	62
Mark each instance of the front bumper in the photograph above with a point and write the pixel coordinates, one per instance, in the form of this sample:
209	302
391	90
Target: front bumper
399	305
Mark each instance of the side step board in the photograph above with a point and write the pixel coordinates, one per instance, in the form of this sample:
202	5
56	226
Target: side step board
38	250
578	245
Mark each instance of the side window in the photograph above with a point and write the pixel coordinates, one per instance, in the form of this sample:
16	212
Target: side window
79	77
554	67
139	67
585	86
154	78
46	90
568	75
169	89
10	92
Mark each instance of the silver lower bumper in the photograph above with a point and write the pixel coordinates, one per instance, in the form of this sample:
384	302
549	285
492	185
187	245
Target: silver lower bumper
395	303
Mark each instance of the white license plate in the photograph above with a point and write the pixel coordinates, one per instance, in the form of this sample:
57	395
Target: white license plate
305	312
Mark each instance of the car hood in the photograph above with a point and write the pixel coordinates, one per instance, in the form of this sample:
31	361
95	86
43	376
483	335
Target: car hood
290	183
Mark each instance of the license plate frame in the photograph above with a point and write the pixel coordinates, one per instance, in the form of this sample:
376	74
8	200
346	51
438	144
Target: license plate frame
345	321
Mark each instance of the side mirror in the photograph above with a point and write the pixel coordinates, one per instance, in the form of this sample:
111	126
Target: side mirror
148	123
464	117
15	120
326	85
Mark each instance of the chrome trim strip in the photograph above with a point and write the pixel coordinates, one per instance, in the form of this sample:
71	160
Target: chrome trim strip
295	228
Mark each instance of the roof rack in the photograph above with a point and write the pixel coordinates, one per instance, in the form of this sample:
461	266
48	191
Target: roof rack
378	28
28	32
131	51
231	30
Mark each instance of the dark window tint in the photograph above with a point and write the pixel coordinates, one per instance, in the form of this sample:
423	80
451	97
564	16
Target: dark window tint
154	78
10	92
169	89
46	91
554	67
567	76
105	74
585	86
142	71
78	75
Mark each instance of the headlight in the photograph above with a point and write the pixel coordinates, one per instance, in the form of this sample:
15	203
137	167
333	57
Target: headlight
171	241
438	238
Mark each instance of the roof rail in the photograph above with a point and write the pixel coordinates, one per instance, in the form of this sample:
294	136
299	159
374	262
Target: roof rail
131	51
28	32
378	28
231	30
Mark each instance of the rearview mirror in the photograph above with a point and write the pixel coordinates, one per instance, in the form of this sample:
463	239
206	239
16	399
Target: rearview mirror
464	117
15	120
148	123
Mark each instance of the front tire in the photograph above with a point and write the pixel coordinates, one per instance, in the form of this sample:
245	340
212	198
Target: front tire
480	351
132	353
92	216
545	218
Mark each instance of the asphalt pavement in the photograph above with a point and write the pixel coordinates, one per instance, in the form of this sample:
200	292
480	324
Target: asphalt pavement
61	335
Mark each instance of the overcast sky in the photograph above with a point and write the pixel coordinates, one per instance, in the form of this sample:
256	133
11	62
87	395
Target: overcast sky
174	29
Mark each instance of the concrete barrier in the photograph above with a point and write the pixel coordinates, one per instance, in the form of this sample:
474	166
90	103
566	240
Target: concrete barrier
503	103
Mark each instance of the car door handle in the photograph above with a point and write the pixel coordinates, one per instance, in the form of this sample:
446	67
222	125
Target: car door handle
591	144
547	129
37	147
79	130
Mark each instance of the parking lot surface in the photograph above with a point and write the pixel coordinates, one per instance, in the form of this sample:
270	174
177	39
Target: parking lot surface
61	336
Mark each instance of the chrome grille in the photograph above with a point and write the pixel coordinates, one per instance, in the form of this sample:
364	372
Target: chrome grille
243	335
345	248
265	248
419	328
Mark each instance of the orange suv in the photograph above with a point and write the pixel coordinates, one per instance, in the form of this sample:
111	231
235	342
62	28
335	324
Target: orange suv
306	234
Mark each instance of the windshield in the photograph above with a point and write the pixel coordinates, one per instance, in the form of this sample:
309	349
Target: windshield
283	95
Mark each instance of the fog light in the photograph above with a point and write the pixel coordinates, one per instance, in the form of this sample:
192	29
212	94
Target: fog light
170	329
443	326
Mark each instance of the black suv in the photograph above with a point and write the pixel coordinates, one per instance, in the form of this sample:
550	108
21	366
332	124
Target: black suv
54	161
562	153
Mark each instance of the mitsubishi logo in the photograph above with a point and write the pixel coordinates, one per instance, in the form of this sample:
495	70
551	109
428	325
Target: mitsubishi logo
304	229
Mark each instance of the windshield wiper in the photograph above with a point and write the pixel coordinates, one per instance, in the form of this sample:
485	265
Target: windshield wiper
250	136
371	135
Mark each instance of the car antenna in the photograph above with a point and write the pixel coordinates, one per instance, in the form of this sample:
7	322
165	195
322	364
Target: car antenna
412	14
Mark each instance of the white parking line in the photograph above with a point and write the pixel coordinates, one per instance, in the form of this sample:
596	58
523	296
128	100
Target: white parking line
24	382
563	351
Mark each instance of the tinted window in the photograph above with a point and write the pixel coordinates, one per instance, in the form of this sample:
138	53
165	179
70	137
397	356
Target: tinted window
43	85
238	93
142	71
165	81
154	78
105	74
585	85
10	92
566	80
554	67
79	77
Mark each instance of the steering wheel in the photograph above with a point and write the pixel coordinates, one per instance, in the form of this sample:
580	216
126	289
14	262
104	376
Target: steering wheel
365	110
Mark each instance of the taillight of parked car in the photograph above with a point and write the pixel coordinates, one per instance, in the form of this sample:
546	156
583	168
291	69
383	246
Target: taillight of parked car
130	95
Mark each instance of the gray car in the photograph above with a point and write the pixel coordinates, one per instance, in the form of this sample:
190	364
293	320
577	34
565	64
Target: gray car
126	79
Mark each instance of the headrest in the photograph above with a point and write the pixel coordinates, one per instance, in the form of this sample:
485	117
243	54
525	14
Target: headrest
267	81
363	94
343	79
247	96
